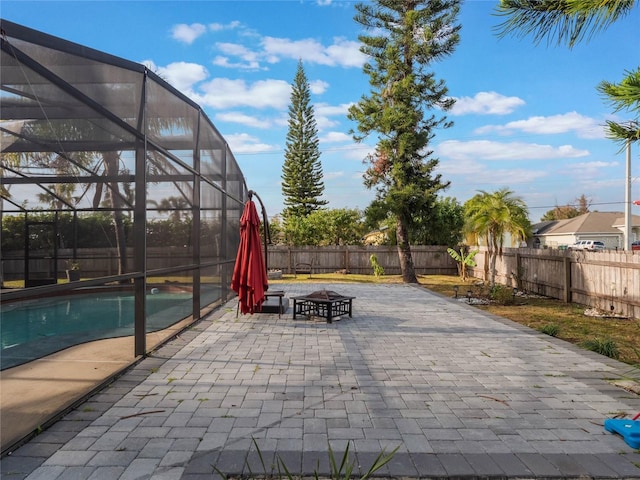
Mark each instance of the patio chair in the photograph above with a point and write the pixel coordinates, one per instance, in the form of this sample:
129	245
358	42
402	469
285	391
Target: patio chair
304	268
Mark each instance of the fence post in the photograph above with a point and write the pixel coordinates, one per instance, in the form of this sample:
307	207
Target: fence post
567	280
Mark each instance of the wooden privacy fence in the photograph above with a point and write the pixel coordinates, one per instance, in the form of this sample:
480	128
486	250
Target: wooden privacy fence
428	260
608	280
93	262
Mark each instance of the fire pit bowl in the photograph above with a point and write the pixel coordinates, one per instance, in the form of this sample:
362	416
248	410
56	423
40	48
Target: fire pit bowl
322	303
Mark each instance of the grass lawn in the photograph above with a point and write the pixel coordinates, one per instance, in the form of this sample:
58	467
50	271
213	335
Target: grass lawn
565	321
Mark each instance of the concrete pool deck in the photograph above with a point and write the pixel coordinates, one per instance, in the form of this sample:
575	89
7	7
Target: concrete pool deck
462	393
34	394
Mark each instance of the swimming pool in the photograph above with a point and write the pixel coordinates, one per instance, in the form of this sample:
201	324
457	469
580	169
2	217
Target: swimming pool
37	327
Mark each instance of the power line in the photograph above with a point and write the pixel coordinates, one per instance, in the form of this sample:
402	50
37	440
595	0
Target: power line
576	205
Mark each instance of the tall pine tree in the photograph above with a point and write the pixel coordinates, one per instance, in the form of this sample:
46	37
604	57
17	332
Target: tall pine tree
406	38
302	184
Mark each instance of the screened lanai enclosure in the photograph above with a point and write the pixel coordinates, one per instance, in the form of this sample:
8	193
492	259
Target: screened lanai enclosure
120	199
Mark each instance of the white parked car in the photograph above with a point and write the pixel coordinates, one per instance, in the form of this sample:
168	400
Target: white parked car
591	245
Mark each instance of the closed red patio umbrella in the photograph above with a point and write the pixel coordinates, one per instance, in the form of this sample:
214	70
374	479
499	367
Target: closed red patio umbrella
249	279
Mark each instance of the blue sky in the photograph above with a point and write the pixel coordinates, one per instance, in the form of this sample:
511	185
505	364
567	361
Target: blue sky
528	116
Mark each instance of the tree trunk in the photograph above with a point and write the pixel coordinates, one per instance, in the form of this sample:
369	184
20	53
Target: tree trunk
404	253
493	257
111	162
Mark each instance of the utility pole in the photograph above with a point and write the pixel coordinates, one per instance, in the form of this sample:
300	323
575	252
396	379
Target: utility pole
627	201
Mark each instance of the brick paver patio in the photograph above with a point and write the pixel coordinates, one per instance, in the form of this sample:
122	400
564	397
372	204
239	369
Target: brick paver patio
461	394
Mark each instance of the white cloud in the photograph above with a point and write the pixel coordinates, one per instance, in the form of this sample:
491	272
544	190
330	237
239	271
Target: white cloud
589	170
281	120
318	87
226	93
331	110
488	150
181	75
341	53
323	113
486	103
224	62
243	119
595	164
242	143
332	175
346	53
335	137
323	123
187	33
217	27
237	50
150	64
583	127
359	151
306	50
476	175
249	59
509	176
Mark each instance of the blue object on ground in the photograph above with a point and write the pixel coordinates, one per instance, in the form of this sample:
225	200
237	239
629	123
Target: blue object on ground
629	429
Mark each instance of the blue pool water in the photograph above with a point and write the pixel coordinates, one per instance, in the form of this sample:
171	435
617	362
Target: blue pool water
34	328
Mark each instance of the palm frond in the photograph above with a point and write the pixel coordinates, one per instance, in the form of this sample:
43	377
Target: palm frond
624	95
559	21
623	132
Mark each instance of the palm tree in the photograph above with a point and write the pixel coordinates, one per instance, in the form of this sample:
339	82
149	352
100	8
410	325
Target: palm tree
490	216
175	206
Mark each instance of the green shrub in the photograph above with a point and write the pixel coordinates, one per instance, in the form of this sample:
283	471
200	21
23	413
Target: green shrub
378	269
501	295
551	329
604	347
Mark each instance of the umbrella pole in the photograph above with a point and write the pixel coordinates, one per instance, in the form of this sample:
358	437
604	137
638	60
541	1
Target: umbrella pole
265	229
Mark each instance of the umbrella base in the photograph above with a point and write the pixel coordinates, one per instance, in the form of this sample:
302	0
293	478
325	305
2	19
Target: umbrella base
276	302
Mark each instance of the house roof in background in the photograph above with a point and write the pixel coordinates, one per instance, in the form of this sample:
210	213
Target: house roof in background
619	222
592	222
542	227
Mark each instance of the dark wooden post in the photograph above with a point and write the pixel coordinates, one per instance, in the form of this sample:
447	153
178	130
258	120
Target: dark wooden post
567	280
